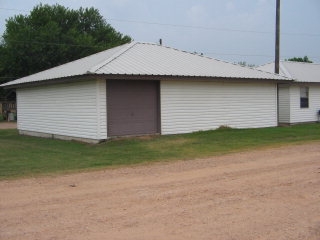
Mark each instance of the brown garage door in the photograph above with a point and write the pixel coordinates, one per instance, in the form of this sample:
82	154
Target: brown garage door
132	107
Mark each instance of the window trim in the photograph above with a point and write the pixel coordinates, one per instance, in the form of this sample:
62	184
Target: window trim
304	100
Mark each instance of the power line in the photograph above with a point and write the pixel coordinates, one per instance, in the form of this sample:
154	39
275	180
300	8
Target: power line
239	54
250	55
204	52
193	26
13	9
210	28
187	26
7	77
53	43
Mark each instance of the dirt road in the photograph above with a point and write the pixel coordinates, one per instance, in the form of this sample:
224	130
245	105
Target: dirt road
8	125
263	194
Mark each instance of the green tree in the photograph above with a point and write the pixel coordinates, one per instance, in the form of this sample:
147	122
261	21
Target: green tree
300	59
245	64
53	35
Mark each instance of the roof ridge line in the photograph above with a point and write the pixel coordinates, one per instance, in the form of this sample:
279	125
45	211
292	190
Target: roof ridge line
285	70
272	73
281	66
312	63
219	60
112	58
223	61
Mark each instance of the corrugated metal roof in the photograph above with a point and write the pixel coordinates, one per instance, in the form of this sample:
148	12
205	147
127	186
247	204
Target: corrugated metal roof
148	59
299	71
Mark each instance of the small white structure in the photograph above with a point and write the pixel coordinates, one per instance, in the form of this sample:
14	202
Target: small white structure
299	101
142	88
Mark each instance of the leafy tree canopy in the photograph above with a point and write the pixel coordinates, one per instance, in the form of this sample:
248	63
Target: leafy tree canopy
52	35
300	59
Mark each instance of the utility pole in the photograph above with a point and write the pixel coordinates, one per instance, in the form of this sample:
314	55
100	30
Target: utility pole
277	48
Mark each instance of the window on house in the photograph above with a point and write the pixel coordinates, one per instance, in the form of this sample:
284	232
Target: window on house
304	97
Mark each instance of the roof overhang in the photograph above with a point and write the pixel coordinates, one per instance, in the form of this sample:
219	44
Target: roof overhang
141	77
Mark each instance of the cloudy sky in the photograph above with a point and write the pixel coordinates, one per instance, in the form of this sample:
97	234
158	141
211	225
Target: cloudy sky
231	30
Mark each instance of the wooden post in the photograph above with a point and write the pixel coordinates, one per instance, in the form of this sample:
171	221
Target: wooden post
277	48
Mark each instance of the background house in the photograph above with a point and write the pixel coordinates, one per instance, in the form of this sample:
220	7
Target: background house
142	88
8	109
299	101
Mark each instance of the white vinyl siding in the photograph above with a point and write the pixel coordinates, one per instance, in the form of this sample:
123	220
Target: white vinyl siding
101	109
75	109
284	104
188	106
298	114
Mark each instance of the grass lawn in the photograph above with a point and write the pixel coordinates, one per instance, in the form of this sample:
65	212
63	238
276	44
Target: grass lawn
22	156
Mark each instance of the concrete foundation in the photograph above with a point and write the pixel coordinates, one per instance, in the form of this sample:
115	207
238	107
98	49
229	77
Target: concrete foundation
296	123
61	137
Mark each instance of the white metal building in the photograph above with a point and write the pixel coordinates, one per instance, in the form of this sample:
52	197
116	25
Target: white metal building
143	88
299	101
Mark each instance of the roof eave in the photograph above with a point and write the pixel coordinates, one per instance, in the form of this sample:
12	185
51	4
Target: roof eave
138	77
51	81
182	77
